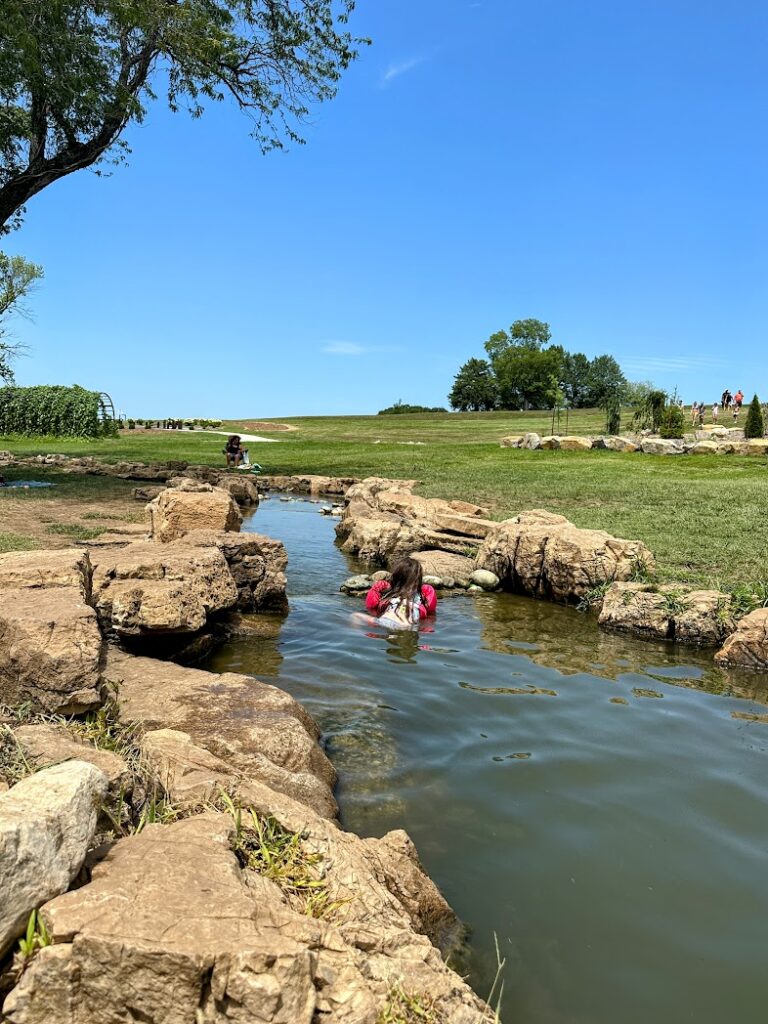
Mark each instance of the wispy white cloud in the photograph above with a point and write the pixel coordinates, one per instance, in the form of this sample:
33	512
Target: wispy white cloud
401	68
343	348
663	364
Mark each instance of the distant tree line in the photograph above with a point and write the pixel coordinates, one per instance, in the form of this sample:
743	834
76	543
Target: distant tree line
402	408
525	371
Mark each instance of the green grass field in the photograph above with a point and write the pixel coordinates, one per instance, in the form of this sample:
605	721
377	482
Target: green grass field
702	516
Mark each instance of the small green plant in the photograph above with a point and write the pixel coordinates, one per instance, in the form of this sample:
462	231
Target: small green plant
593	597
35	938
74	530
640	571
672	422
755	424
648	413
748	597
13	764
159	811
261	844
673	602
403	1007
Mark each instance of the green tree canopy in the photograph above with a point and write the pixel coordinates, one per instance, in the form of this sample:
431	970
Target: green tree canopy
74	74
474	387
17	277
527	378
605	381
528	334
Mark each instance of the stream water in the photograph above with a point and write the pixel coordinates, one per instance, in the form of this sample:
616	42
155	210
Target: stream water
598	803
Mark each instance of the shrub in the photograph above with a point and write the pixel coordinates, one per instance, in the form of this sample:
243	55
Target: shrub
650	411
672	422
55	411
755	424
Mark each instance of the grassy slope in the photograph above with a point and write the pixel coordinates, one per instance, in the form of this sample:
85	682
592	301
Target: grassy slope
703	517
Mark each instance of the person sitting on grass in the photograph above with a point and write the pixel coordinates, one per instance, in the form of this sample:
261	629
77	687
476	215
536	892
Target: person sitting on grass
404	600
233	450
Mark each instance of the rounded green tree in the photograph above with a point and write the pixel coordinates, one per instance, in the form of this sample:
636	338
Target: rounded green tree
755	424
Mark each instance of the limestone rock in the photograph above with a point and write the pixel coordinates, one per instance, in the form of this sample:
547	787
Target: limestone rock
704	448
197	939
380	540
659	446
45	744
176	511
573	443
255	728
468	508
670	612
550	442
189	774
150	589
356	585
242	488
50	650
443	564
747	647
542	554
257	564
47	822
68	567
531	441
512	441
756	446
613	443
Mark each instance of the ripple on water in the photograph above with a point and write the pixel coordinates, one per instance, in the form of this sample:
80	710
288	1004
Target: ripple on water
618	856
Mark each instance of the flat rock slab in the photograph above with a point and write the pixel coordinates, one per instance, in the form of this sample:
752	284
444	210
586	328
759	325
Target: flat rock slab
45	744
445	565
47	822
50	650
68	567
253	727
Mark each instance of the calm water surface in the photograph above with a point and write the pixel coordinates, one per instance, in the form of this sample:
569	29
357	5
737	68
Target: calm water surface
590	799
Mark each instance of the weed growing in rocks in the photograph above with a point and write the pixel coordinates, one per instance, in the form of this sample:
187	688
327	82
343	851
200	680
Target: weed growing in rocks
264	846
673	603
402	1007
593	598
747	597
13	764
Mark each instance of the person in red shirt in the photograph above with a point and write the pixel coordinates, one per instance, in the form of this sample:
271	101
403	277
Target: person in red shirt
404	600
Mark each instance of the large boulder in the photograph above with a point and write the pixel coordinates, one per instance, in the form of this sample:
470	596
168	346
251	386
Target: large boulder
50	650
704	448
747	647
542	554
756	446
613	443
146	589
47	823
258	730
257	564
242	488
670	612
531	441
511	441
171	929
193	506
36	570
573	443
445	565
380	540
660	446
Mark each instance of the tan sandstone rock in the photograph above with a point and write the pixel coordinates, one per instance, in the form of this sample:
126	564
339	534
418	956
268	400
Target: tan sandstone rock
544	555
148	589
671	612
196	939
47	822
660	446
614	443
176	511
45	744
50	650
69	567
573	443
511	441
257	564
445	565
747	647
254	727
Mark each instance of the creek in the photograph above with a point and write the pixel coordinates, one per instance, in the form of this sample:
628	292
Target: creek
598	803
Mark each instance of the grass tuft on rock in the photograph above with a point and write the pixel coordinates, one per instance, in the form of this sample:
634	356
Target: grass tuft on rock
402	1007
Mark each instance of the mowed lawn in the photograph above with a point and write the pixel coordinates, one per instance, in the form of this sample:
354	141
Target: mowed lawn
704	517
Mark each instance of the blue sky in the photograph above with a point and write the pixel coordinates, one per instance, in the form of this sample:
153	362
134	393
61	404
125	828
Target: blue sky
595	164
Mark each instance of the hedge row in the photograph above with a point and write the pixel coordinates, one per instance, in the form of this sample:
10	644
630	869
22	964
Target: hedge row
52	410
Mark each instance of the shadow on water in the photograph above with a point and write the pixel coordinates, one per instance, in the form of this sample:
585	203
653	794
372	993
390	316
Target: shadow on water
599	802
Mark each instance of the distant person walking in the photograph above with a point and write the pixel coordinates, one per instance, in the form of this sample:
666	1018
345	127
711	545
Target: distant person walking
715	412
738	399
702	413
694	414
725	401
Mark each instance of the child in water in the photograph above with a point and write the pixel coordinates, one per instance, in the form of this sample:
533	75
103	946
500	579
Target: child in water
403	601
